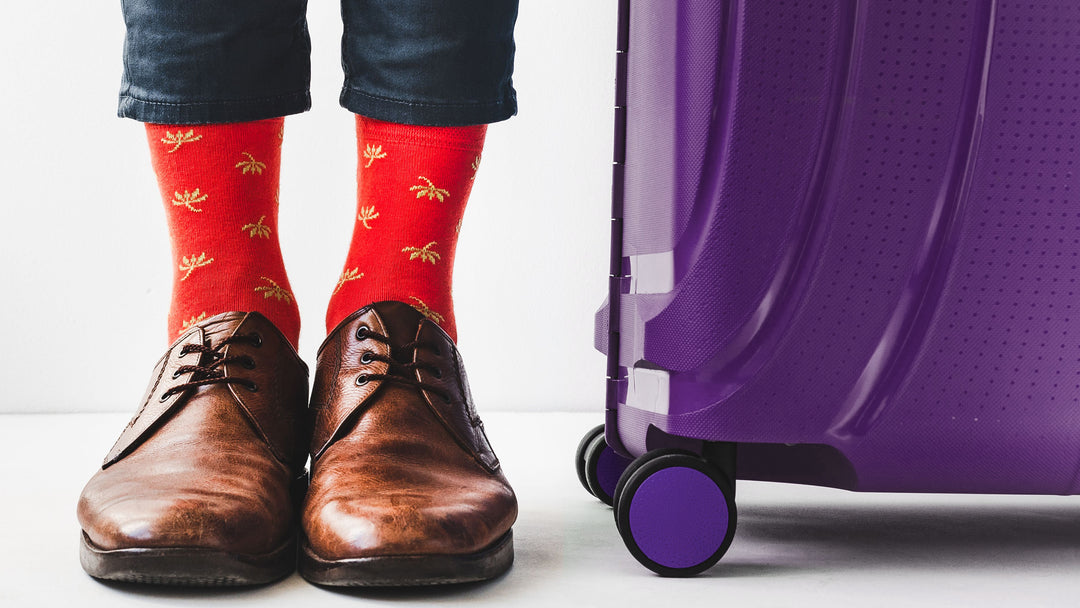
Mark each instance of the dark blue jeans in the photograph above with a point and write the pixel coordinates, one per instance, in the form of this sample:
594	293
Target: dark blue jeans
424	62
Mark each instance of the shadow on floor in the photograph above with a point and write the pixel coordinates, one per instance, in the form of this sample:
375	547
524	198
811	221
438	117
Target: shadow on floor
918	536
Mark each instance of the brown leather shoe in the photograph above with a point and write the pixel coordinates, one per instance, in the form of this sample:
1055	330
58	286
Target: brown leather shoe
405	489
203	484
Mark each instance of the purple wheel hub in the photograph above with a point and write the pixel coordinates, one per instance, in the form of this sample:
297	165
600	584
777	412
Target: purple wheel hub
609	466
678	517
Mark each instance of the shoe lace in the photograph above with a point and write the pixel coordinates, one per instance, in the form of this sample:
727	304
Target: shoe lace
209	369
399	372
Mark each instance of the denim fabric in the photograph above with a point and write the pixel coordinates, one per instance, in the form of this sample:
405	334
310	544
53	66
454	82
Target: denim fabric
213	61
430	62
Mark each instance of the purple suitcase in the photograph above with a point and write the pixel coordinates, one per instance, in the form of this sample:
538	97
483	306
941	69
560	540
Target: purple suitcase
845	243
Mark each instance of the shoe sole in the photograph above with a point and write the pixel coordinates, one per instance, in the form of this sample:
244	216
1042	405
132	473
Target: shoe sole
186	567
409	570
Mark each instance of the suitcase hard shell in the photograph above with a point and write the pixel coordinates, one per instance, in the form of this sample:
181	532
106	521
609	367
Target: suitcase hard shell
845	243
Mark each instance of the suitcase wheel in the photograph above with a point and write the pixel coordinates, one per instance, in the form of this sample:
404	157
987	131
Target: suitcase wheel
598	466
675	512
579	456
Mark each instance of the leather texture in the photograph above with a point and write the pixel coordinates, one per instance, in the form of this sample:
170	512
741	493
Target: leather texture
208	466
400	461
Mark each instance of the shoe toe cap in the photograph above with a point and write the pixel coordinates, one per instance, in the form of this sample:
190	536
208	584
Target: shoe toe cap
119	517
345	528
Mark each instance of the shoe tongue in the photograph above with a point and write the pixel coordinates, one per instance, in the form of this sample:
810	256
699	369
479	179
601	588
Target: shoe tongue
219	327
401	322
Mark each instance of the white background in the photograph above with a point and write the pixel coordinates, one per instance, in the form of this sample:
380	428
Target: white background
85	268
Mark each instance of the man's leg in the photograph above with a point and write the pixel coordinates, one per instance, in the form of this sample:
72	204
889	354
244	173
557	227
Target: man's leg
219	184
413	184
200	487
423	83
405	487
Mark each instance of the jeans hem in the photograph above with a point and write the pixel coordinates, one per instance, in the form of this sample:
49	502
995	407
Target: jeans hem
213	112
427	114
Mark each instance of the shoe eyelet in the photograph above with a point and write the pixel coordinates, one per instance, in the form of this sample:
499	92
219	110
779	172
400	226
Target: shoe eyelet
361	380
446	398
437	373
366	357
257	340
176	374
247	362
435	349
163	398
252	387
361	332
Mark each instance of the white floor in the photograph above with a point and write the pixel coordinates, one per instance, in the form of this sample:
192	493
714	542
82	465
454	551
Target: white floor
795	545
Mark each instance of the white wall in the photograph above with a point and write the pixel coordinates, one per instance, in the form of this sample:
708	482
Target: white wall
84	283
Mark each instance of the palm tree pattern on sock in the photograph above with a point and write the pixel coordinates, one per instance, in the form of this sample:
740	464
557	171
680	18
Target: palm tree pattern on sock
220	185
413	184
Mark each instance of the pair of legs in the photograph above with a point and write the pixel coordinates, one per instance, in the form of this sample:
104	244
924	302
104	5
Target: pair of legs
206	484
219	184
410	66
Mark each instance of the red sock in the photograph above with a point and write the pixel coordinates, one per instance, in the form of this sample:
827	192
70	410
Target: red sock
220	187
413	186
